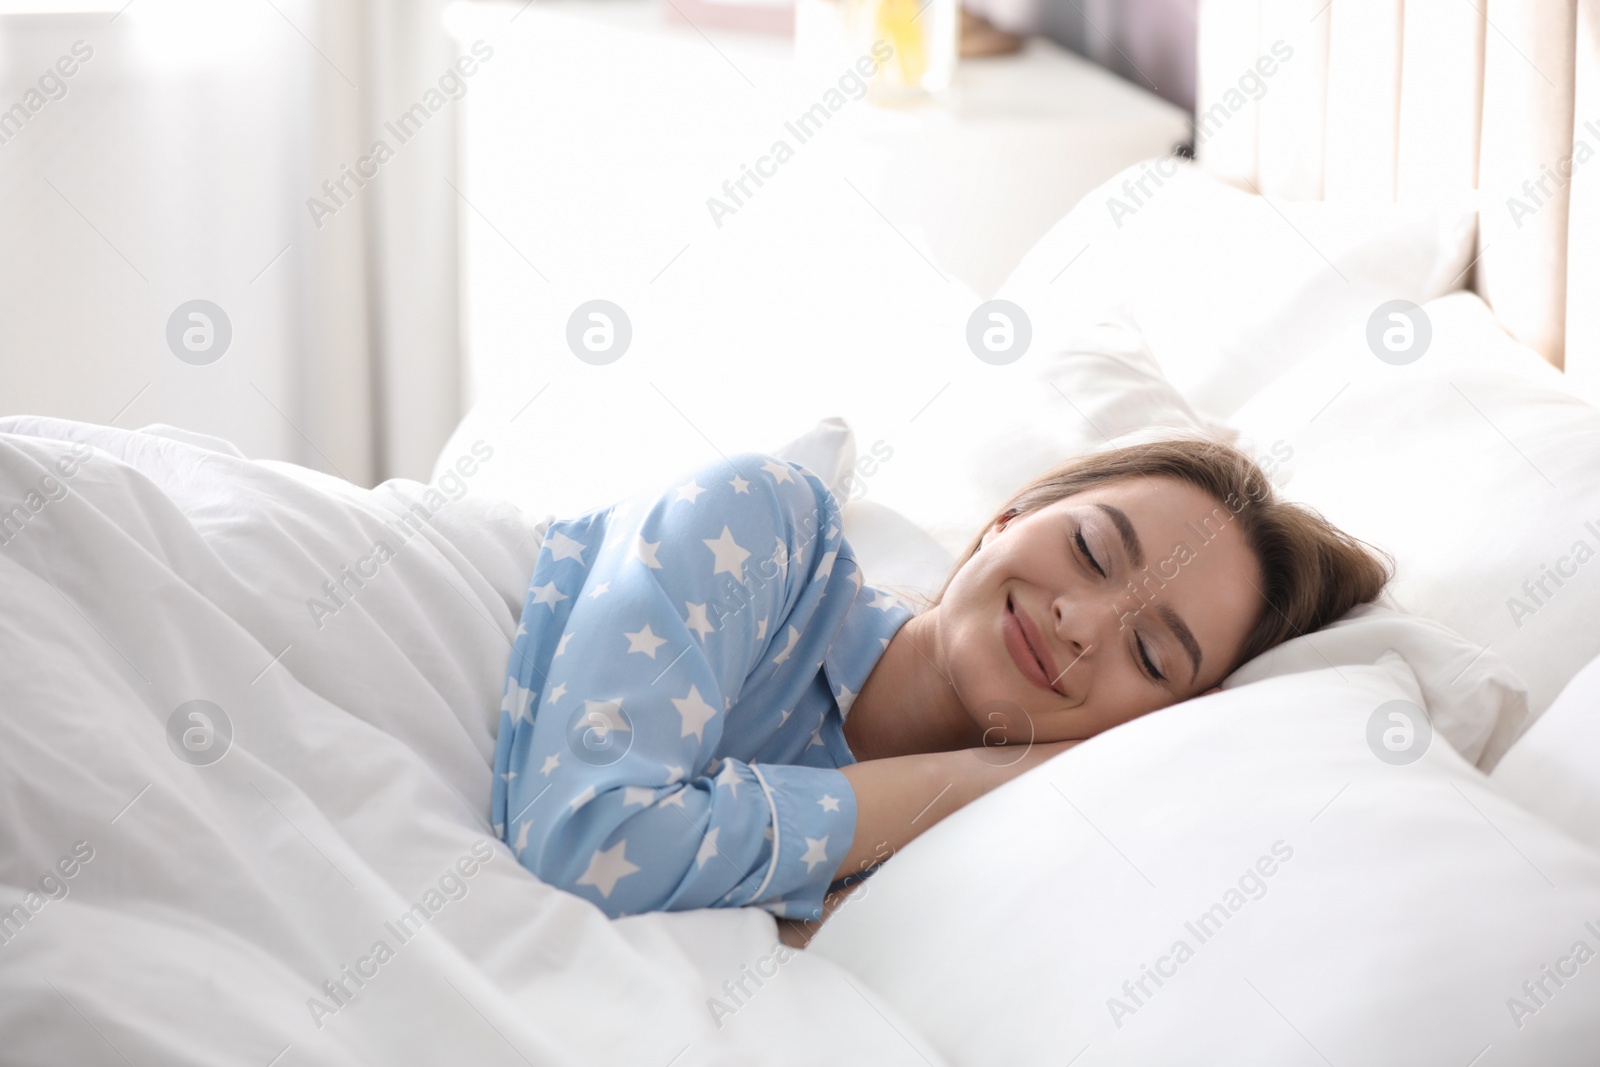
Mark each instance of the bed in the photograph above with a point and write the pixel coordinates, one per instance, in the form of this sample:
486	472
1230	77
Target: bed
249	708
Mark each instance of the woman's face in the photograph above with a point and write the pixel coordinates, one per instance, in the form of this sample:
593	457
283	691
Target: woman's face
1115	601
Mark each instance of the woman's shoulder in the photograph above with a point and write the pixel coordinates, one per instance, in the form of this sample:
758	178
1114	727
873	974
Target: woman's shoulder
752	485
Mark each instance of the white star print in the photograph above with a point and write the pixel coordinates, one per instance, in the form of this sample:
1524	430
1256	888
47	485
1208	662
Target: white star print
563	547
730	556
697	620
516	701
644	641
561	646
522	836
786	713
689	492
816	852
600	590
558	692
695	713
816	736
740	485
829	802
637	794
604	716
548	594
508	775
674	798
582	798
708	847
885	601
825	565
646	551
780	472
551	762
730	778
608	867
845	698
761	630
794	639
674	772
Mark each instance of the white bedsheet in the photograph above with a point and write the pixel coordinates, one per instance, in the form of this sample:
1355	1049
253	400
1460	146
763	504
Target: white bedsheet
219	898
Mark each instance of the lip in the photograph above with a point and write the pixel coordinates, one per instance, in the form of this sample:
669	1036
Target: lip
1022	640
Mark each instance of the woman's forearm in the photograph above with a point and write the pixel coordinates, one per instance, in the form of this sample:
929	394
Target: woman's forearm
899	797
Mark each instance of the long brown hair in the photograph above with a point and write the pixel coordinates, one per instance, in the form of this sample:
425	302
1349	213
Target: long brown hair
1312	572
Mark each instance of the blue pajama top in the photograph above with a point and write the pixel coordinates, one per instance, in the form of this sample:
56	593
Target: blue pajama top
674	710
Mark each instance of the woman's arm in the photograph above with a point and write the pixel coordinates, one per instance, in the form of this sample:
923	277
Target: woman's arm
640	636
900	797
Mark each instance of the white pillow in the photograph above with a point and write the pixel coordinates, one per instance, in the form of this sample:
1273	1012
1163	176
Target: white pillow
1369	912
1554	769
1473	698
1474	466
958	461
1229	288
546	484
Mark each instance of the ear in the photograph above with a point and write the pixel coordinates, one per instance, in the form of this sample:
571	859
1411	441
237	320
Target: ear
998	525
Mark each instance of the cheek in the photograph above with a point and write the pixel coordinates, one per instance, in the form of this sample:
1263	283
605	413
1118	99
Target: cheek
971	640
967	601
1121	696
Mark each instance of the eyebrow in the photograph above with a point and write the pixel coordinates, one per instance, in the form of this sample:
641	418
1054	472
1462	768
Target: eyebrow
1130	538
1184	635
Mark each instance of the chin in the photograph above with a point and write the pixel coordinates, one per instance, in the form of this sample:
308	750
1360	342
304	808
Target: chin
1003	716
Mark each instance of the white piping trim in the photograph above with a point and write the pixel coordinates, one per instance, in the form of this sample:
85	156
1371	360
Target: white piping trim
777	835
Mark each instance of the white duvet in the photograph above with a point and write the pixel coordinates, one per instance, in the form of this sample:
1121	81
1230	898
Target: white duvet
328	890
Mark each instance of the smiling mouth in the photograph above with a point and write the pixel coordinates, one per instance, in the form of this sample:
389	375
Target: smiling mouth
1012	608
1043	678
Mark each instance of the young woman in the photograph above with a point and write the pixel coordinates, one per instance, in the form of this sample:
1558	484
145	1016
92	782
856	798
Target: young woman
707	706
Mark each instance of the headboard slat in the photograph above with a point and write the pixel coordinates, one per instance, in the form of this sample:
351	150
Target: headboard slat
1228	38
1289	147
1426	99
1583	217
1441	99
1527	128
1363	101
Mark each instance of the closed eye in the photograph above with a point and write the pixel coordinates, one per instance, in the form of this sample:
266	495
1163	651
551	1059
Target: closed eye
1083	546
1157	675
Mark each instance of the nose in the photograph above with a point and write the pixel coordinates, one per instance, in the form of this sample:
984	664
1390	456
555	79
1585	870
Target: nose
1076	637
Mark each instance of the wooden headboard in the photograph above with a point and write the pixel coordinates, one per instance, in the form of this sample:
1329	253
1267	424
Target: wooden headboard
1397	99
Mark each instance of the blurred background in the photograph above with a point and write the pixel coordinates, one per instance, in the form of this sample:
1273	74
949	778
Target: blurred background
358	302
